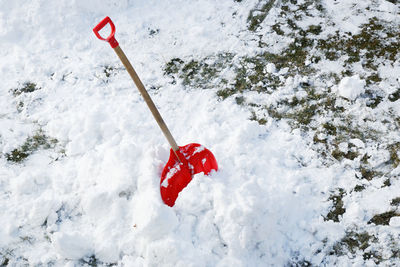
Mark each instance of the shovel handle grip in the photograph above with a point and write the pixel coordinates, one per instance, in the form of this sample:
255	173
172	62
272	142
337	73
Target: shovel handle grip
110	39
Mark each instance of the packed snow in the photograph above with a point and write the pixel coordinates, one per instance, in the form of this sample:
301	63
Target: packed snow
93	197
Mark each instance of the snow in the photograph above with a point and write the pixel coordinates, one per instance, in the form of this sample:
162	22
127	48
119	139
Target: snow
71	246
347	15
198	149
351	87
395	222
271	68
100	196
170	174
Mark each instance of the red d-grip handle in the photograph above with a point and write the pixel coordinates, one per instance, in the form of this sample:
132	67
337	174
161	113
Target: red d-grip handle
110	39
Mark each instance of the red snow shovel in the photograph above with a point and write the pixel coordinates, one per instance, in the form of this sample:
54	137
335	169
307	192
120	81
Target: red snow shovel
184	161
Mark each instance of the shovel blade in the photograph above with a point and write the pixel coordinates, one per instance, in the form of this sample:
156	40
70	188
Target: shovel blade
176	175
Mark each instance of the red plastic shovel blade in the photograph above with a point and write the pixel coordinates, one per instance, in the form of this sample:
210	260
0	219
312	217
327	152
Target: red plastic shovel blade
176	175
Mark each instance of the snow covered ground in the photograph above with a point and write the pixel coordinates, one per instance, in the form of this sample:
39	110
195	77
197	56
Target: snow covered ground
81	156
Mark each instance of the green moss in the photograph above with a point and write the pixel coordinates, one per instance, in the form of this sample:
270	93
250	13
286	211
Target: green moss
328	102
153	32
374	101
90	261
315	29
337	209
5	261
394	96
198	73
259	13
395	201
359	188
189	70
240	100
369	174
27	87
17	156
374	98
173	66
387	183
301	112
262	121
305	114
20	106
108	70
357	240
369	40
273	113
329	128
298	262
383	218
93	261
395	254
250	74
374	256
353	242
373	78
365	158
224	93
328	47
31	144
298	51
317	140
348	131
339	155
254	117
393	151
277	28
292	24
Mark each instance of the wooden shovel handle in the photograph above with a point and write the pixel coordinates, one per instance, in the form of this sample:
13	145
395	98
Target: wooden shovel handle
146	97
114	44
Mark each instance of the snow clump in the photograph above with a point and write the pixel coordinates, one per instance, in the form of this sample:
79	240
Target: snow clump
351	87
